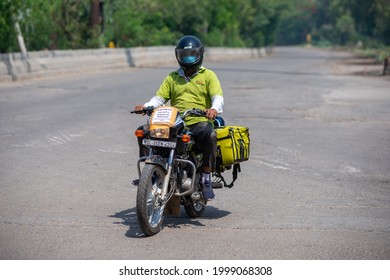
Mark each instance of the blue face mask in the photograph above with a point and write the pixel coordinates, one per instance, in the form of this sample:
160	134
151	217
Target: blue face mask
189	59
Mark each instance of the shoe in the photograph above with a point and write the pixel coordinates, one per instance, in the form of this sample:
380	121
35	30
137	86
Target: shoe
135	182
208	192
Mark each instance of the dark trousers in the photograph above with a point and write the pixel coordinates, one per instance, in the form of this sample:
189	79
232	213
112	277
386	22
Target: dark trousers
205	139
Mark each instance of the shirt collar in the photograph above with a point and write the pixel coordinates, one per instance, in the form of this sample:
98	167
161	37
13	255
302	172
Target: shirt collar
188	79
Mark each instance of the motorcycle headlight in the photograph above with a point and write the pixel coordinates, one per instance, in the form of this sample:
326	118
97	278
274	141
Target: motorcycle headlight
160	133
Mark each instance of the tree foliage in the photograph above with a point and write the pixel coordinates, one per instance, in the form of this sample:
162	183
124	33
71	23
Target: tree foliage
64	24
336	21
9	10
68	24
232	23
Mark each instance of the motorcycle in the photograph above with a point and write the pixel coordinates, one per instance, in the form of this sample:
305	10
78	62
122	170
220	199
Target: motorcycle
171	171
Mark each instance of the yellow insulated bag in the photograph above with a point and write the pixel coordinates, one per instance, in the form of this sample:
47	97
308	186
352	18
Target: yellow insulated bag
233	144
233	147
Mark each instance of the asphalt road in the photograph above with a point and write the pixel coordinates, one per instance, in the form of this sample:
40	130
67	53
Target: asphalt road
317	185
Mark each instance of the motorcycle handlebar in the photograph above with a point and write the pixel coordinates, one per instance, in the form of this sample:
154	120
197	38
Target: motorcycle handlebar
191	112
147	110
194	112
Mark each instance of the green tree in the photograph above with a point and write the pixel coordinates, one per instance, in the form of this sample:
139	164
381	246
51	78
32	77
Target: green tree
259	21
64	24
382	20
345	27
223	24
336	21
138	23
297	20
73	20
37	24
9	10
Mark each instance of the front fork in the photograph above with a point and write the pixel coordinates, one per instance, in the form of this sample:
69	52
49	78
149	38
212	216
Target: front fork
167	177
168	167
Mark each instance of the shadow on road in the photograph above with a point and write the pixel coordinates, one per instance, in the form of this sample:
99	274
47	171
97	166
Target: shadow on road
129	218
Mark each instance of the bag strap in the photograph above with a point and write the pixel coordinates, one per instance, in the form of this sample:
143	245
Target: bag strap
236	170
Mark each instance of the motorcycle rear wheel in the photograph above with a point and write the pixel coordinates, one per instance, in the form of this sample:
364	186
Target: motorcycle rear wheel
150	213
194	209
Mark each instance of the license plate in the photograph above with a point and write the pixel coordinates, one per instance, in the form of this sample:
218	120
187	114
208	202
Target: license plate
158	143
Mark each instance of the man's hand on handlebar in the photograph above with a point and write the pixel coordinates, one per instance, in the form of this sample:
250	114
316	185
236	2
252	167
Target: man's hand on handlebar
211	113
139	108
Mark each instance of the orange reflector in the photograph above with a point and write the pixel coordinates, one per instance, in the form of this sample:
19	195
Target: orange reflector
186	138
139	133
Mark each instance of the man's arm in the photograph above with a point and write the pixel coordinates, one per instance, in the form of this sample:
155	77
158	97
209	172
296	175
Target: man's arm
156	101
217	103
216	107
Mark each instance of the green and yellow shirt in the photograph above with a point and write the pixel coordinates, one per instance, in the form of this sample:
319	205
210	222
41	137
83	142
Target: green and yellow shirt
202	90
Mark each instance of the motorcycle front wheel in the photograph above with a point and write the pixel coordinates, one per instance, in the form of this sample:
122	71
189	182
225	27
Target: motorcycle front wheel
150	212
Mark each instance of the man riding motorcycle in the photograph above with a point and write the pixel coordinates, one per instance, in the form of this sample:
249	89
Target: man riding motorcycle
193	86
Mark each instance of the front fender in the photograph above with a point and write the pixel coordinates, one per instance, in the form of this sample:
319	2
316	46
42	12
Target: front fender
154	159
158	160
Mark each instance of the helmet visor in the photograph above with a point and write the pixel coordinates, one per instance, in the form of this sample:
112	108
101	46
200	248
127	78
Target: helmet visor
188	55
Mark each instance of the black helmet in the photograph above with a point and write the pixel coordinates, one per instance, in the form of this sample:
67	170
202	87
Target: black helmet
189	52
